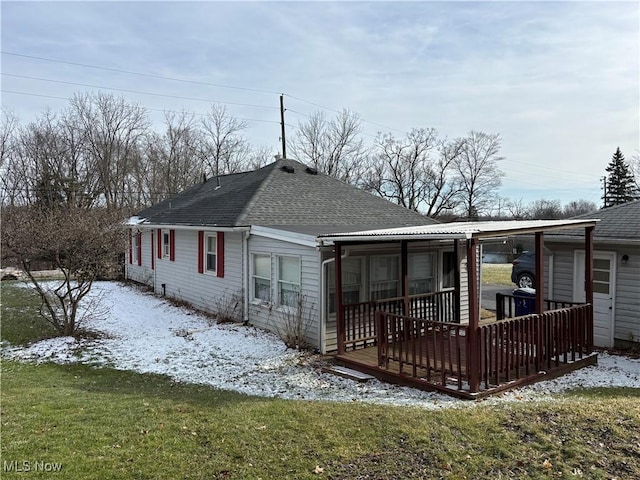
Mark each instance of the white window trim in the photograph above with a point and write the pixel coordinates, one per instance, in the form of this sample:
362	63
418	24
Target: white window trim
279	303
166	246
205	252
259	301
137	243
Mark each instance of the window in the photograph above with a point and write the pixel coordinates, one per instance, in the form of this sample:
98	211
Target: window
448	269
384	276
351	282
261	274
420	273
288	281
166	245
137	248
211	253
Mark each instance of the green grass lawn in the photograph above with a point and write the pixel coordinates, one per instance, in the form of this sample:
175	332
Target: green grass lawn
110	424
496	274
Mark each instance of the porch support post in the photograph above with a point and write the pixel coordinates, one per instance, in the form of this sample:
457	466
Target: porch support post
539	283
473	357
404	262
337	250
588	281
456	280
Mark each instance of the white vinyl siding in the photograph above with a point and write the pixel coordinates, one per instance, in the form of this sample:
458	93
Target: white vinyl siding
206	292
141	273
271	316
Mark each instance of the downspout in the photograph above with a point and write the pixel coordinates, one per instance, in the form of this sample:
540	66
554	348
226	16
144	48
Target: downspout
323	301
245	276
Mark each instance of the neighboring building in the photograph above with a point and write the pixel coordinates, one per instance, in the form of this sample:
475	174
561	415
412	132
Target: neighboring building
245	245
616	265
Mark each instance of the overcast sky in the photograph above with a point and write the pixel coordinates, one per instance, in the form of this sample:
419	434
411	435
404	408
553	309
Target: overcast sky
558	81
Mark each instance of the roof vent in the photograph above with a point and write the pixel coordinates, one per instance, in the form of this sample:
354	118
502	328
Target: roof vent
288	169
311	171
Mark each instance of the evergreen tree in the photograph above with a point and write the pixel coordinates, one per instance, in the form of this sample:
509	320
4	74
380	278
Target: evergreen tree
620	187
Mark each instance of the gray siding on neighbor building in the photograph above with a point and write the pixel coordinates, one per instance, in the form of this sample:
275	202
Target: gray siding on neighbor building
627	284
280	320
563	274
627	301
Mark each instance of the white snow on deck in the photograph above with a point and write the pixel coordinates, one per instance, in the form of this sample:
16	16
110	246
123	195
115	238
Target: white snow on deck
146	334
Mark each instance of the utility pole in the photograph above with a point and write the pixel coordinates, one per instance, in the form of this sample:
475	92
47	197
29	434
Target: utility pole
284	143
604	187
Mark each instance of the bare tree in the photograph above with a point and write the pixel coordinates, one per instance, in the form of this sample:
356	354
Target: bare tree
545	210
334	146
479	172
517	209
224	149
113	131
259	157
81	243
171	163
10	188
578	207
401	167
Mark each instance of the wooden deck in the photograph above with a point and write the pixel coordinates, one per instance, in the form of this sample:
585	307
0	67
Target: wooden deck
437	358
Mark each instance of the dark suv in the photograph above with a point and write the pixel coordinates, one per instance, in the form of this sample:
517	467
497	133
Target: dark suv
523	271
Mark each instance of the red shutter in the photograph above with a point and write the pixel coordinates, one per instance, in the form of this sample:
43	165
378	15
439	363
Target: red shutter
172	245
200	252
139	249
159	243
130	246
220	255
153	254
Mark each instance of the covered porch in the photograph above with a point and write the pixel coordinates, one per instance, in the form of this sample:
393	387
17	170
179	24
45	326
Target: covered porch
436	341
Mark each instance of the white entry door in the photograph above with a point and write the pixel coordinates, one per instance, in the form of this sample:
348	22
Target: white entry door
604	275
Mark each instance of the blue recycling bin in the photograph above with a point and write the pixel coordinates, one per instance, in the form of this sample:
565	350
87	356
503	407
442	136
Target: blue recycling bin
525	299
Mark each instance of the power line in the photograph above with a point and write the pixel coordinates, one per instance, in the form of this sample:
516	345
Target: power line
339	112
149	75
135	91
195	82
146	108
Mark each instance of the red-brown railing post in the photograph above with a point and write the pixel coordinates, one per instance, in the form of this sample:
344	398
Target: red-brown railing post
404	262
539	267
382	337
473	358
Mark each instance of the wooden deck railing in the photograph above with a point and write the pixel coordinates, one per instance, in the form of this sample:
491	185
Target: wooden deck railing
360	329
510	306
431	350
510	350
519	347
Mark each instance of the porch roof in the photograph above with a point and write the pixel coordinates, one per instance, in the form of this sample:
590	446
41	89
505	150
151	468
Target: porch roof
456	230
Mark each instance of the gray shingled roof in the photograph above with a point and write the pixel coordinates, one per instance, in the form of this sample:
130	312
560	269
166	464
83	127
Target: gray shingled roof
274	197
621	222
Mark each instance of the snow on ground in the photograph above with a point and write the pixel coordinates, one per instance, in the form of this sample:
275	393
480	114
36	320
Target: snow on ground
146	334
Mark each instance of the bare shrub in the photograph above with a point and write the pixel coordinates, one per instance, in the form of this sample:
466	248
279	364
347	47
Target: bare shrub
296	323
228	308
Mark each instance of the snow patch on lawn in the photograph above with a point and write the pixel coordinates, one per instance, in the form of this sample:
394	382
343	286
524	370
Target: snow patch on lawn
146	334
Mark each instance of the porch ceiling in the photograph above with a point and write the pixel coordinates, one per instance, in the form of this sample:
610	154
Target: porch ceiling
453	231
